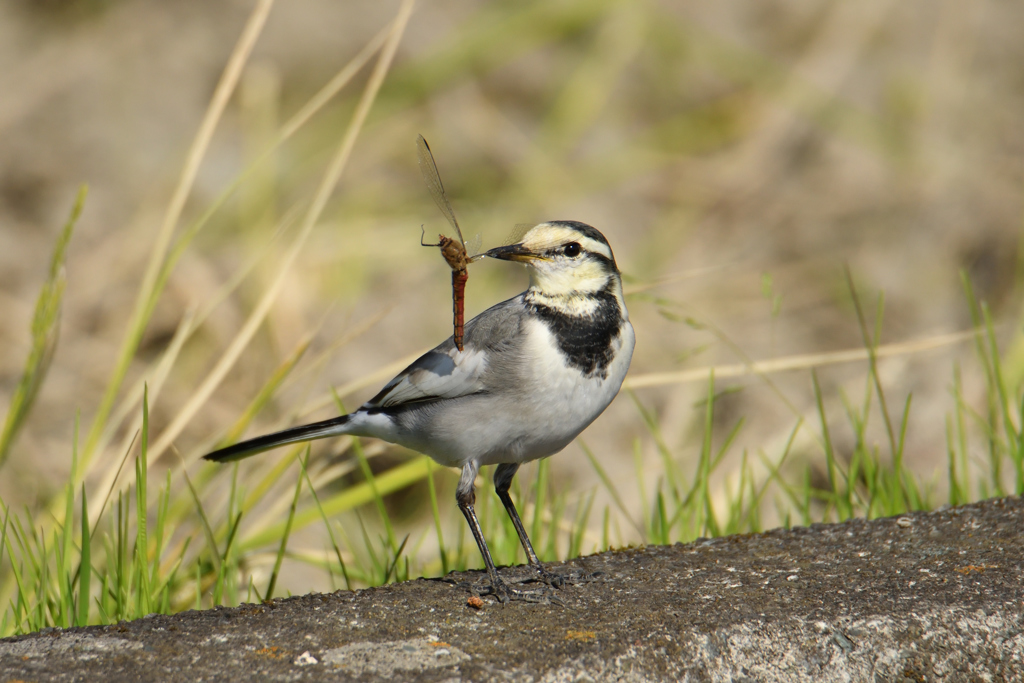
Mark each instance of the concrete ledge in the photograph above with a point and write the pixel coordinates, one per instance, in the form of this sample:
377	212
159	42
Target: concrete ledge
923	597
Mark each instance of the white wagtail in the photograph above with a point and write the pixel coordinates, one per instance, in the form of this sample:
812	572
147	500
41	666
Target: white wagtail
536	370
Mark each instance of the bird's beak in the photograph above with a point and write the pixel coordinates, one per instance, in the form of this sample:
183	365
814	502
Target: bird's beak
515	252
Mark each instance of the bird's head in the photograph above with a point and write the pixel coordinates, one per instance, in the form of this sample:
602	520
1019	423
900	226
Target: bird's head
565	258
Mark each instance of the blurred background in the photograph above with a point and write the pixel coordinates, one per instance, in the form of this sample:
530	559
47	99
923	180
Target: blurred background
738	156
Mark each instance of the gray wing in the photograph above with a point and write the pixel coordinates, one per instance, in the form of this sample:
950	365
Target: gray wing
444	372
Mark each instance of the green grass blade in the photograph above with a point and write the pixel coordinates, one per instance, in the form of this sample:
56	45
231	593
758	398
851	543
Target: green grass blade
84	566
836	493
211	539
65	576
141	554
706	464
394	563
393	480
609	485
288	527
638	469
364	466
224	581
442	551
330	532
45	331
1007	414
870	344
674	478
540	491
265	394
378	499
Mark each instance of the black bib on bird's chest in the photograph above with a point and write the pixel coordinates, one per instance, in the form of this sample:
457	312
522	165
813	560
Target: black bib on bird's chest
586	340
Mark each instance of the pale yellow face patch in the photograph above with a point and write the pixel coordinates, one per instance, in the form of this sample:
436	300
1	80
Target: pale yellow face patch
560	275
546	236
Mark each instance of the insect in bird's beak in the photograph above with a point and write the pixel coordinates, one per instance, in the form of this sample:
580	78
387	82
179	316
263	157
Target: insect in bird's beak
515	252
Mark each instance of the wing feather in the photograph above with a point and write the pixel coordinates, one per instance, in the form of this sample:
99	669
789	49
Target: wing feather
445	372
436	374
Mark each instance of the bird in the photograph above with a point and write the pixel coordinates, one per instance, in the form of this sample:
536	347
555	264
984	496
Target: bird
534	372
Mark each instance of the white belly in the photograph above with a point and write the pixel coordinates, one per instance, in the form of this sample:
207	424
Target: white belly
562	401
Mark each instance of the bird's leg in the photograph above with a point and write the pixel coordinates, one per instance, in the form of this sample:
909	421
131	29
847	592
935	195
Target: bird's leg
465	495
502	482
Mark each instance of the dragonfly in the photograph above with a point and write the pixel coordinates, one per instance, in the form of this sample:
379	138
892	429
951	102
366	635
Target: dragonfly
453	249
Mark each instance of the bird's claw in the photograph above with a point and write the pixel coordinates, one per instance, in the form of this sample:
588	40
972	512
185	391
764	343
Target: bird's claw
505	593
572	577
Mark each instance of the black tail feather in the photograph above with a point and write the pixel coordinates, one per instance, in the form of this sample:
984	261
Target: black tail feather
310	432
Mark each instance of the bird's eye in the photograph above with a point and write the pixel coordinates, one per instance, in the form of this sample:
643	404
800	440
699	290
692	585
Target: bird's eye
572	250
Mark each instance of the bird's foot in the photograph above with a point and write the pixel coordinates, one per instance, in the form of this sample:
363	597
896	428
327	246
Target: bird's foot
572	577
505	593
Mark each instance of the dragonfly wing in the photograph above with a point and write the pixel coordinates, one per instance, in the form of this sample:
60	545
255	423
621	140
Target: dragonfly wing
433	180
474	245
517	233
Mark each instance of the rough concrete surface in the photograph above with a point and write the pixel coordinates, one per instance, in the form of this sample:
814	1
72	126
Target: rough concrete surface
922	597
